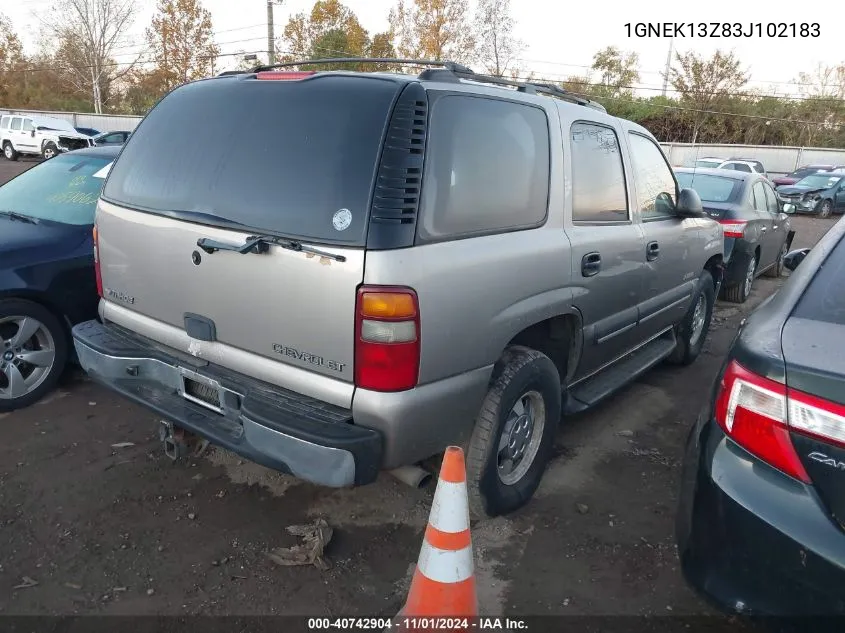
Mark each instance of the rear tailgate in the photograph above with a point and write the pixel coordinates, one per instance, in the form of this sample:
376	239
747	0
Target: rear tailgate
227	158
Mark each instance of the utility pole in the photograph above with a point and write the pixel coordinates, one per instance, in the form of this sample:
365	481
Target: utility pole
668	66
271	36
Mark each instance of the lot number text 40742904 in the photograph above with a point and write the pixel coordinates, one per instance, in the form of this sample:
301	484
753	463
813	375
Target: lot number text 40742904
723	29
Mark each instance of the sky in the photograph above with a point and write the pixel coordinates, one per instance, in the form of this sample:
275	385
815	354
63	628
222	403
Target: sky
561	35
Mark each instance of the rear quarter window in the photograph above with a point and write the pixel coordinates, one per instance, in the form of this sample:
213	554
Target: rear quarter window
824	300
487	167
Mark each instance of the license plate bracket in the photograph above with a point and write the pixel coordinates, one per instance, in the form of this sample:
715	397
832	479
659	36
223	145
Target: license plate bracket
202	391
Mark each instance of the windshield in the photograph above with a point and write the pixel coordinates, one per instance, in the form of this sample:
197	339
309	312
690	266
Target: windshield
709	188
818	181
63	189
708	163
281	157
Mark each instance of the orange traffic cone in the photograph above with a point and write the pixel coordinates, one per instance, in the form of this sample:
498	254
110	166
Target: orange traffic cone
444	580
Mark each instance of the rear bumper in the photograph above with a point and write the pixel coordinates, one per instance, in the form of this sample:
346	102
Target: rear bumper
277	428
751	539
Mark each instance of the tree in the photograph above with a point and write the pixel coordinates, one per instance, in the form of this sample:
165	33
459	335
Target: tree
703	83
181	42
87	33
618	70
330	30
824	82
433	29
497	46
11	59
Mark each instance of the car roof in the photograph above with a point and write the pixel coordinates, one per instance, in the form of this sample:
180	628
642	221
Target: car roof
722	173
103	151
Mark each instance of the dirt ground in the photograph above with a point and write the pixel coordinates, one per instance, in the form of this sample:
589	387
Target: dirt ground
124	531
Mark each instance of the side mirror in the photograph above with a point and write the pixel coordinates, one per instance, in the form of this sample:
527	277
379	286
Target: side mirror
794	258
32	134
789	208
689	204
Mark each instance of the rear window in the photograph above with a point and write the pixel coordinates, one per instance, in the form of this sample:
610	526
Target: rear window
63	189
823	300
291	158
710	188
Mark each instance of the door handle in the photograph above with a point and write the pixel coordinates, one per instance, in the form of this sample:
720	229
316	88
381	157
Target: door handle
590	264
652	251
763	229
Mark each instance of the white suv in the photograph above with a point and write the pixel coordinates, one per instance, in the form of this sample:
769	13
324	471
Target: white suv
38	135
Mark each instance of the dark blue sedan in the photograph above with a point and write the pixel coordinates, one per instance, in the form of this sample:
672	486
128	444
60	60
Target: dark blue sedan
47	280
761	523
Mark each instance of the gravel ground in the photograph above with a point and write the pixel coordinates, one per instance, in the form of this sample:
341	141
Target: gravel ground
106	530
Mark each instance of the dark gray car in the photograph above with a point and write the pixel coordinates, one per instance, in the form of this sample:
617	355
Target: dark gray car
757	232
381	265
762	508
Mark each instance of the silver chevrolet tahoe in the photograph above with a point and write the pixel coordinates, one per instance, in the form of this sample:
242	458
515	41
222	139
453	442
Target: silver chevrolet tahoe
337	273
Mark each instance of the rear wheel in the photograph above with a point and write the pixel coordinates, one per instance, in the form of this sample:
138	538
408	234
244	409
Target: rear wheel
826	209
9	151
692	331
33	351
739	293
514	433
777	269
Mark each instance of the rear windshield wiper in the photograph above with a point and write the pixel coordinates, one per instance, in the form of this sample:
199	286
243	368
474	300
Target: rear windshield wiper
20	217
261	243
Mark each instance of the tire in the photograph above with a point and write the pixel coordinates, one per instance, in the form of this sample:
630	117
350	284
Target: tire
522	375
739	293
9	151
47	334
692	331
50	151
826	209
777	269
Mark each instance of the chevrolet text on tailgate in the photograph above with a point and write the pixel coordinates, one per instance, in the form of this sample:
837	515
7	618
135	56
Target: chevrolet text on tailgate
384	264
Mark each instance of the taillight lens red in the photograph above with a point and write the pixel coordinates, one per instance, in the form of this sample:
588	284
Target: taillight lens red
97	273
752	410
284	75
387	338
733	228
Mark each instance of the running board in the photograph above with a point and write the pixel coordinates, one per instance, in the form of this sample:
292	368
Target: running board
591	391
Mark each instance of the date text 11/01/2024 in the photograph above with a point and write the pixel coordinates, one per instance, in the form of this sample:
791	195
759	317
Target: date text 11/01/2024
723	29
412	624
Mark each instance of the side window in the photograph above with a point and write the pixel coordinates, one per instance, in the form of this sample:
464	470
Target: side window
759	193
598	177
487	167
740	167
758	168
771	200
656	187
27	125
16	123
4	122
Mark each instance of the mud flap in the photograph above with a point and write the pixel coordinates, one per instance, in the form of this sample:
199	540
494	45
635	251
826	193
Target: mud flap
789	237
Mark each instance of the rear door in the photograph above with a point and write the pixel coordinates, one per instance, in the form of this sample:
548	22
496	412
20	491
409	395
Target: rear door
765	223
607	245
224	159
16	133
814	349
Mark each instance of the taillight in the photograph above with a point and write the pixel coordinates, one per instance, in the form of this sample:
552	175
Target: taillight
97	273
284	75
752	410
733	228
817	418
387	338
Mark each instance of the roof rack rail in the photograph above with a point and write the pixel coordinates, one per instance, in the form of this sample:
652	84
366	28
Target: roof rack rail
532	88
453	66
